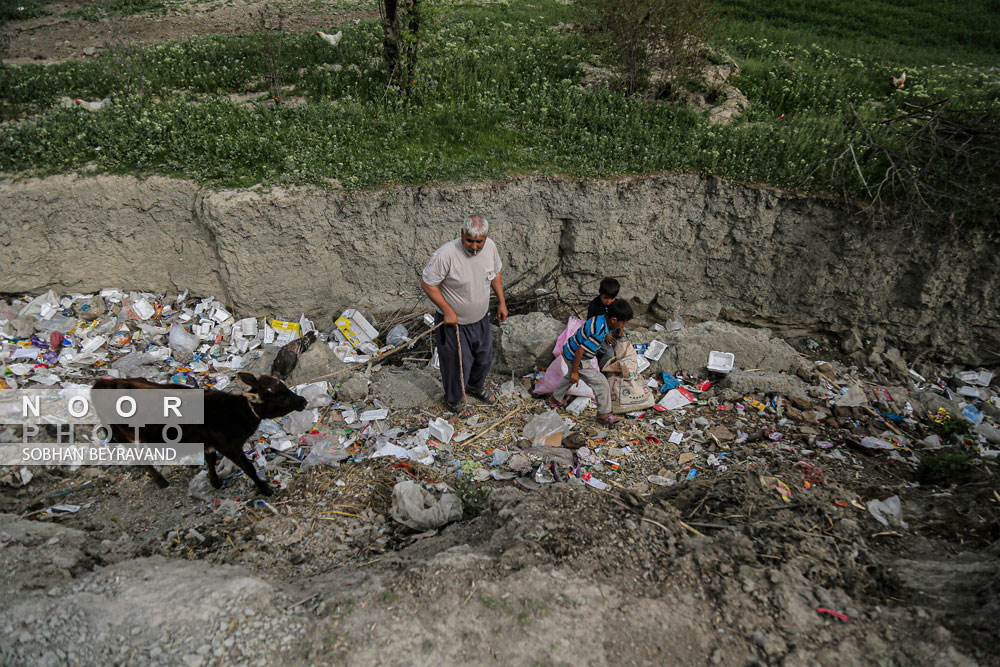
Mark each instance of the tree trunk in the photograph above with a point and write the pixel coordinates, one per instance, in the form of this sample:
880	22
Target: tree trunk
391	40
413	17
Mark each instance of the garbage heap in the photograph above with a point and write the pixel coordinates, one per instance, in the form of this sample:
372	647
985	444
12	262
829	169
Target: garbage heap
713	411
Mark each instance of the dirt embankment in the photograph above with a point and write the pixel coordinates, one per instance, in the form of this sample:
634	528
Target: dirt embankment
695	245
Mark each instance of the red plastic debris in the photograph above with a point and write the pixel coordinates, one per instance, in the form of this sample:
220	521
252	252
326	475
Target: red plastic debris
835	614
811	474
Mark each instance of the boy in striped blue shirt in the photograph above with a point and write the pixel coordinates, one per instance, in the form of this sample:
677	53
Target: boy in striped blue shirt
583	345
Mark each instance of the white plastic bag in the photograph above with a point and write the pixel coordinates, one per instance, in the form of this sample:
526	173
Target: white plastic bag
888	512
417	508
542	426
180	339
324	452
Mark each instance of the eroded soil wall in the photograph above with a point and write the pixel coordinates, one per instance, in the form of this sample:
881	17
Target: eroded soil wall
691	243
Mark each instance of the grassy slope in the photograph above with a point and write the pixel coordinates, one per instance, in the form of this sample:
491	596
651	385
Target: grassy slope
501	94
907	32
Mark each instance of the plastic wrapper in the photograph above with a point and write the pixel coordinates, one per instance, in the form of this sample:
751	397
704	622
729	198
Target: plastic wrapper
888	512
324	452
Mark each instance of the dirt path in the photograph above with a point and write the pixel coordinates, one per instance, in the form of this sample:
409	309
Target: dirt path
58	37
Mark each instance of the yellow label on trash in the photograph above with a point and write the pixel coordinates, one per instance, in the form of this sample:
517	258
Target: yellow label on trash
344	325
286	327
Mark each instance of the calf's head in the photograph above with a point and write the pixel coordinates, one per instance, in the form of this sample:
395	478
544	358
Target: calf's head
269	397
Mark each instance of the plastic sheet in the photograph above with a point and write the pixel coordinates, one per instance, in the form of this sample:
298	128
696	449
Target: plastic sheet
417	508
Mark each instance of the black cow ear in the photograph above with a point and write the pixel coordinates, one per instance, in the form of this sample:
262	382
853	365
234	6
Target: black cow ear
248	379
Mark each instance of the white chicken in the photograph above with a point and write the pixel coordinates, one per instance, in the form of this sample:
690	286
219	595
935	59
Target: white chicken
900	81
91	106
332	40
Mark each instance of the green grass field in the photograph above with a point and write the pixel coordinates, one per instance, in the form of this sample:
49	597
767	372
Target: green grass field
499	93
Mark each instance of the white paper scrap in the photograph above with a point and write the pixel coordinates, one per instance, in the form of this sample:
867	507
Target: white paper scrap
281	443
390	449
372	415
655	350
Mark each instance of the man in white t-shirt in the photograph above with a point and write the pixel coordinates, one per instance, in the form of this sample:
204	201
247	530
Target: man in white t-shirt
458	279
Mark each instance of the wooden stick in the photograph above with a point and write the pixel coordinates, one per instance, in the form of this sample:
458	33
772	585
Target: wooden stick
461	369
828	379
492	426
656	523
887	422
696	532
371	361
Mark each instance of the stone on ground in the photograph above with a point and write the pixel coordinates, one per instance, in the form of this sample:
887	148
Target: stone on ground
406	389
526	340
318	360
354	388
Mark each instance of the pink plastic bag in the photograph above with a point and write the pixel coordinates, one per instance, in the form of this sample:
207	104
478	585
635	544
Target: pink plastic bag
572	324
558	369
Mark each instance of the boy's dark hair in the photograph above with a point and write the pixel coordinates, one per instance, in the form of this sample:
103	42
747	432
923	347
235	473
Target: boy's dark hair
609	287
621	310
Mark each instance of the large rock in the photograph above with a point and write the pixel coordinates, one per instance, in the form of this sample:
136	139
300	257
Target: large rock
929	402
405	389
527	340
354	388
315	362
44	552
259	361
763	382
318	360
754	348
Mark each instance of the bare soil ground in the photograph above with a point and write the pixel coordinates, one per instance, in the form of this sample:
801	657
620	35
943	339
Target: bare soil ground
59	36
561	575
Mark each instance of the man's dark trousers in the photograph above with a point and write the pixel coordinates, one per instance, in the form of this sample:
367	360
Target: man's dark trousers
477	357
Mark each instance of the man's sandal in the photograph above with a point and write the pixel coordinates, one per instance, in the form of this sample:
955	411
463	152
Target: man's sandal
608	419
488	399
462	411
553	402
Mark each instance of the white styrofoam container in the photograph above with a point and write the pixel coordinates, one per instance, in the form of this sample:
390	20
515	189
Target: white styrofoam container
440	429
980	378
721	362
